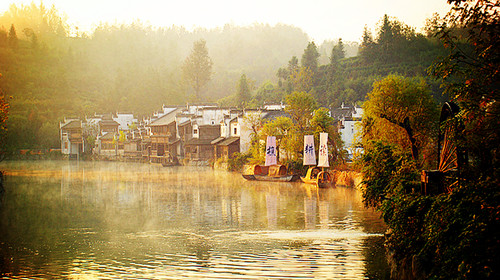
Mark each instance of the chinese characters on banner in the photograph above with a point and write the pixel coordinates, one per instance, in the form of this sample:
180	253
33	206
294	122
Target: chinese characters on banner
309	153
271	158
323	150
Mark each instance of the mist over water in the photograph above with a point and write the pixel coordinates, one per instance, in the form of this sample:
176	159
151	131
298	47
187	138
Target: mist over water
94	220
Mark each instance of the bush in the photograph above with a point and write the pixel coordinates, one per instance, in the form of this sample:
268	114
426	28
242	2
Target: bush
237	162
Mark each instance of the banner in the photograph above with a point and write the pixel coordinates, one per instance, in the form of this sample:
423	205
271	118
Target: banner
271	158
323	150
309	153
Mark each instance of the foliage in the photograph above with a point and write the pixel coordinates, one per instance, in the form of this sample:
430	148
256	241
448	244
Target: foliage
281	128
197	68
322	122
470	74
310	57
243	92
300	106
450	235
401	110
237	161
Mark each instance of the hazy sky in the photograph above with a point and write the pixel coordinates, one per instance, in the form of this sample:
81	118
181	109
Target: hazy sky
320	19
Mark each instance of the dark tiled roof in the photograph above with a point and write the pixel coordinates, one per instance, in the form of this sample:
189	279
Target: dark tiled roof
228	141
272	115
197	141
72	124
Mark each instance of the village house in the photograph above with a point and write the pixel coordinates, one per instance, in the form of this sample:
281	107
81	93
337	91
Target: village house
107	140
164	138
72	142
349	126
206	127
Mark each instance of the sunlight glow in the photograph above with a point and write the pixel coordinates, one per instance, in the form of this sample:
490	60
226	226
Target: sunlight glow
320	19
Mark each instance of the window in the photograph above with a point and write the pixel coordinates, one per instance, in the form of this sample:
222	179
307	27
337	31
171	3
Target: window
195	131
235	130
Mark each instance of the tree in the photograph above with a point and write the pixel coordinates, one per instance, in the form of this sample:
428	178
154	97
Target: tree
281	128
322	122
310	57
300	106
338	52
13	41
243	93
197	68
4	115
400	110
470	76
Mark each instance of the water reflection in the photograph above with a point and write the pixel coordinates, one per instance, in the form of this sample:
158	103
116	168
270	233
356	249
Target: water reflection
126	220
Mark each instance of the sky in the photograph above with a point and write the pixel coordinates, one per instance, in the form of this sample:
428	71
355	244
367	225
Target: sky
320	19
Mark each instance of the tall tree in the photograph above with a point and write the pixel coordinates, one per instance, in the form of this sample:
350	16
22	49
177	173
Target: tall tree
13	41
310	57
338	52
243	93
197	68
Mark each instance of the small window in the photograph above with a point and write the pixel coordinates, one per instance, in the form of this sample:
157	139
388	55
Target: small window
235	131
195	131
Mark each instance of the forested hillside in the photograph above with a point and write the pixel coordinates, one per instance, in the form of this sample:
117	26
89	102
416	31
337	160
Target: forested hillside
52	70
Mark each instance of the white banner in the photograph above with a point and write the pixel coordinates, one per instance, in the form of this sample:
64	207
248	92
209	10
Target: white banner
323	150
271	158
309	153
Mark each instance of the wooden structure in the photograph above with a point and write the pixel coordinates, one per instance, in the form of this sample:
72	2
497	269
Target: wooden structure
451	156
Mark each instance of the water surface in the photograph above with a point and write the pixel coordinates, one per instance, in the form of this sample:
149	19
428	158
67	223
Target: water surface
95	220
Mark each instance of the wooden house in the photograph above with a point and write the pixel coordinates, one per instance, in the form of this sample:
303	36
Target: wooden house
71	137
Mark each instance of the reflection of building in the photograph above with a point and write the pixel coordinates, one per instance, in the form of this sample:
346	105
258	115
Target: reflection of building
310	212
71	137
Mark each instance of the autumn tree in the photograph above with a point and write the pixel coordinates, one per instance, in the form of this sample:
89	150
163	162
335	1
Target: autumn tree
4	114
400	110
197	68
13	41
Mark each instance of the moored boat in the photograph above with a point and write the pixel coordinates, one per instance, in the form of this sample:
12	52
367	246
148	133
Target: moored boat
274	173
316	174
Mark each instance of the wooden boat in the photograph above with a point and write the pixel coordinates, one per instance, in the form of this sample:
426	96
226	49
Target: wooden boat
317	176
275	173
289	178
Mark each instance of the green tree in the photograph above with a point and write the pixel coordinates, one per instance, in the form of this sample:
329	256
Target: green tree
310	57
281	128
243	93
300	106
401	110
322	122
197	68
338	52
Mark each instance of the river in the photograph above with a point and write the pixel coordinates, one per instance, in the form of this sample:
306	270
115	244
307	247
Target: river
116	220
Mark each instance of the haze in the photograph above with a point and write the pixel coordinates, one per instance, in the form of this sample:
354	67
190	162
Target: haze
320	19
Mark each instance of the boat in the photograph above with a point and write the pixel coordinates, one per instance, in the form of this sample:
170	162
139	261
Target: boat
271	171
274	173
288	178
317	175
